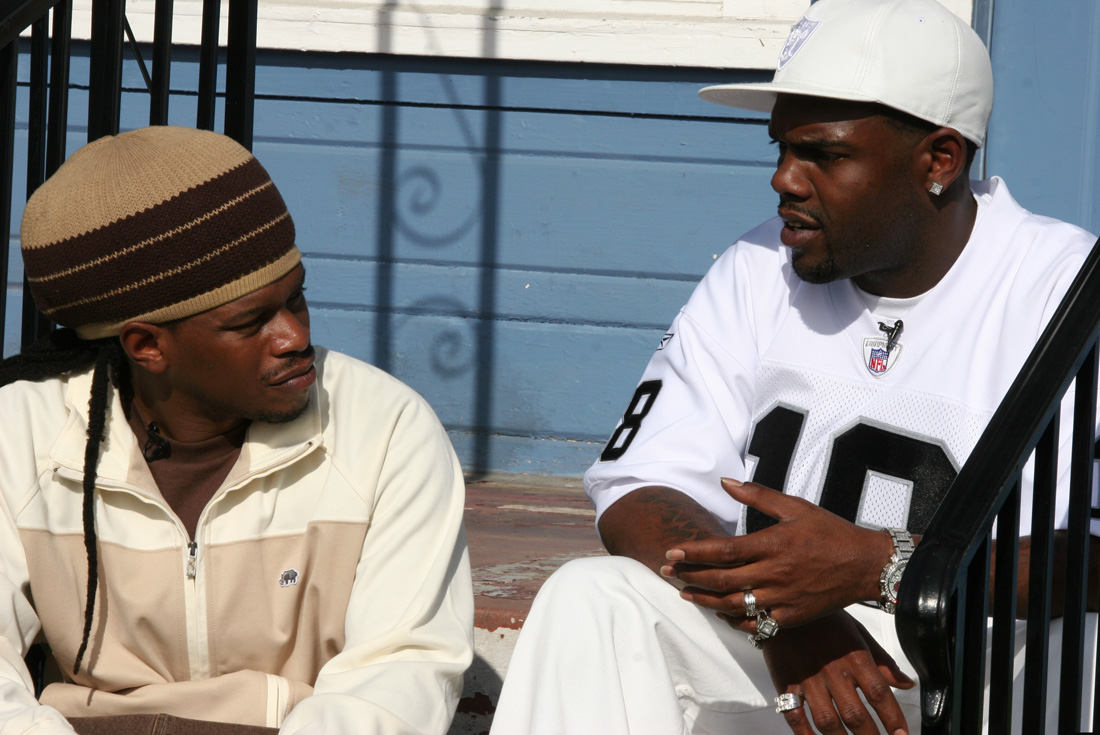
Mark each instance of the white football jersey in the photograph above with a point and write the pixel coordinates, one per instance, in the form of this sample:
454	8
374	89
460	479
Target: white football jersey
800	387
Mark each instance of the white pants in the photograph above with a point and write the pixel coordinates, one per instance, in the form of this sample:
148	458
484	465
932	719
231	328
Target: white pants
609	647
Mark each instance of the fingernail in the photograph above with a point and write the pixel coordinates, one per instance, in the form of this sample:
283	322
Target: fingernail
899	731
674	555
731	481
686	596
666	571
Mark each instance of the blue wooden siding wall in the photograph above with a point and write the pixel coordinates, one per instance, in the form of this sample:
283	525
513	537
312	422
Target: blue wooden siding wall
512	239
509	239
1044	137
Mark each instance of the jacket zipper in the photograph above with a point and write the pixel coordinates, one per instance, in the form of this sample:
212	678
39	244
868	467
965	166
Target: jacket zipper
192	559
198	662
195	658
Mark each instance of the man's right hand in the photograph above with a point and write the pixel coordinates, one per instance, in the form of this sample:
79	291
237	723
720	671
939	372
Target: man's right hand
826	661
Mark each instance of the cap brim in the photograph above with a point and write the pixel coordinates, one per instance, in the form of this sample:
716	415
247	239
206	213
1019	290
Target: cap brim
761	97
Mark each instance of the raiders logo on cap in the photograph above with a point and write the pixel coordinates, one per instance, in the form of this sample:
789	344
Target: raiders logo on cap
799	35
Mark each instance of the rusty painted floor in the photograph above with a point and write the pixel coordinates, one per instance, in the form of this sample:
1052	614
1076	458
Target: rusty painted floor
518	536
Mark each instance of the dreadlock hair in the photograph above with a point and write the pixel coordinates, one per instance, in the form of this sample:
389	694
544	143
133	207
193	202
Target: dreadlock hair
61	353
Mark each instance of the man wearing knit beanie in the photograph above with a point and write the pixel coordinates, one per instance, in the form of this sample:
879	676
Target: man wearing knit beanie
206	518
808	409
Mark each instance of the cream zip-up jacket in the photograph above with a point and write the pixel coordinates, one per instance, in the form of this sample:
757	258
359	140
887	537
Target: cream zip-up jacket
327	589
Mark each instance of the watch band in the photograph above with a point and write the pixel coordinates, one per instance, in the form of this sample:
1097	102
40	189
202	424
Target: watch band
890	579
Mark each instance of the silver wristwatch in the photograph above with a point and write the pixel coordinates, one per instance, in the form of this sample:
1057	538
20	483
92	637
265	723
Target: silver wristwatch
890	579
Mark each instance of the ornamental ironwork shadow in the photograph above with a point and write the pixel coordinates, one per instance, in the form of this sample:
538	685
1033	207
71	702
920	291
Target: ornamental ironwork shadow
421	188
449	352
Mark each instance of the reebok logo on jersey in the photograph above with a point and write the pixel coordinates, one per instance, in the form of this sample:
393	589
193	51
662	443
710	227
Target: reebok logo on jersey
876	358
665	340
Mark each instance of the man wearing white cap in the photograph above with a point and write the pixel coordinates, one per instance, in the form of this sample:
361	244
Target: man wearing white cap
810	405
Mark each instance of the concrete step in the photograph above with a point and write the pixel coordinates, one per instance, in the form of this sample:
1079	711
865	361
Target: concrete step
520	530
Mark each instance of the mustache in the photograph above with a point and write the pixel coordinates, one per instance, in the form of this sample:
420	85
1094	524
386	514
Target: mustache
791	207
288	363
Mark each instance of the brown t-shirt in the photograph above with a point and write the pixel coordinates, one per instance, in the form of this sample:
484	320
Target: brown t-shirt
190	473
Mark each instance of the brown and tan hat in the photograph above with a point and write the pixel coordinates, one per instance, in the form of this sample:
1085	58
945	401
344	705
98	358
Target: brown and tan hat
153	225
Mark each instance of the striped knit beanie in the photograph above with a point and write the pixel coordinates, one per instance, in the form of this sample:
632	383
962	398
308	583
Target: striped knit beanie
153	225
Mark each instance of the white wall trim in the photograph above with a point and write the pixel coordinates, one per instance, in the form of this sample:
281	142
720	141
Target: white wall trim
741	34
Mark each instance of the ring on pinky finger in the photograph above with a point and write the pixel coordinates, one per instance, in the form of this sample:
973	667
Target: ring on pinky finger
788	701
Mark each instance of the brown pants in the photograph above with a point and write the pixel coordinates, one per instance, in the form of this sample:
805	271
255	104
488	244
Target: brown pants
160	725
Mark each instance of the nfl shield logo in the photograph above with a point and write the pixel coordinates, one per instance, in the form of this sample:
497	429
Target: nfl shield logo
877	359
877	363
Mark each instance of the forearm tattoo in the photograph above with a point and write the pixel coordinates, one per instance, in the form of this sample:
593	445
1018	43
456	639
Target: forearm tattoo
649	521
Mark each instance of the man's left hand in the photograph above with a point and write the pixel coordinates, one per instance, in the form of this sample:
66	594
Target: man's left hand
829	662
809	564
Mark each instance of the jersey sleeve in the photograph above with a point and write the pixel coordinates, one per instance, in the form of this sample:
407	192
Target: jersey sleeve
687	424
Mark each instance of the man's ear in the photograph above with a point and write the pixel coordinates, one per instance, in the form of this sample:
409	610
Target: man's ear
147	345
947	160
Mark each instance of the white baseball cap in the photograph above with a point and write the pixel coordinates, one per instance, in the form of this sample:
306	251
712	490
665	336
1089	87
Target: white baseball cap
912	55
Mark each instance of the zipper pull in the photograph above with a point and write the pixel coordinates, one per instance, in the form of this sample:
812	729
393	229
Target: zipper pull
192	558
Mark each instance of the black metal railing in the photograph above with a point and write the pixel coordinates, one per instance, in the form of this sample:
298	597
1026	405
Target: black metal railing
944	613
48	55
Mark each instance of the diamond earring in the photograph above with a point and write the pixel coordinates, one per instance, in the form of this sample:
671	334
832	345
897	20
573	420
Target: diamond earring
936	189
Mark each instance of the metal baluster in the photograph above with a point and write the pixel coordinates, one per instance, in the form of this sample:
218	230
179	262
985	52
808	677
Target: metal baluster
105	78
162	63
1005	579
34	326
58	124
1039	578
1077	547
208	64
36	117
240	71
973	627
9	67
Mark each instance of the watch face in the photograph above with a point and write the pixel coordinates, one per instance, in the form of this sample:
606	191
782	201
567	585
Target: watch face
893	579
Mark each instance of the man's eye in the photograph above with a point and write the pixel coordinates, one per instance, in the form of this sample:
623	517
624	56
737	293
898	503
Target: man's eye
825	155
250	324
781	148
